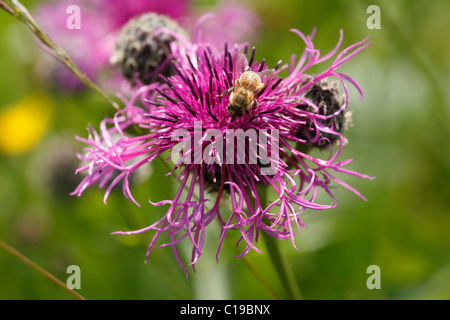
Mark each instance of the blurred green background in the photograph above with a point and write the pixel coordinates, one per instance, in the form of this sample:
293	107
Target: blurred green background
400	135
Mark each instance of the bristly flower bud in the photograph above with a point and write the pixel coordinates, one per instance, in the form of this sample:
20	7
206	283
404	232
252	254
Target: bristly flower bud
140	53
326	101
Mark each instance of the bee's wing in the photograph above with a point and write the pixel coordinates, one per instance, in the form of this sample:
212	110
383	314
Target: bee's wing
267	76
240	65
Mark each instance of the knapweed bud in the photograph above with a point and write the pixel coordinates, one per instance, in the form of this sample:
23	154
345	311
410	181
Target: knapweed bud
327	100
140	53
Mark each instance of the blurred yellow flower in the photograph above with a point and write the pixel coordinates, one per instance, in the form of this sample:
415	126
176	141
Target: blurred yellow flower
25	123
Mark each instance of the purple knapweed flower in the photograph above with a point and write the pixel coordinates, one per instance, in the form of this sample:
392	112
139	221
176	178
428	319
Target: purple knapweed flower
89	46
231	135
119	12
230	21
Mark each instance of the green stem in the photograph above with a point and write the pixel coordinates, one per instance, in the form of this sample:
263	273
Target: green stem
39	269
256	273
16	9
5	7
279	260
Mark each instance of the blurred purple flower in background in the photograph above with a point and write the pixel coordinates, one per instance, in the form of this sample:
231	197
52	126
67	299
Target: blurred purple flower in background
119	12
92	45
89	47
195	110
230	22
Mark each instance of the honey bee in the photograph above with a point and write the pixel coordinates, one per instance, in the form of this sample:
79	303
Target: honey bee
242	95
246	87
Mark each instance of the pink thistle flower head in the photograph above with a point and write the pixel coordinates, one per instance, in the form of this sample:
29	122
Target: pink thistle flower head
233	127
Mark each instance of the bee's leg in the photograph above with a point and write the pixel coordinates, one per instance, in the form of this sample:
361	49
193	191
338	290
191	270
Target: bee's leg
253	105
228	91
